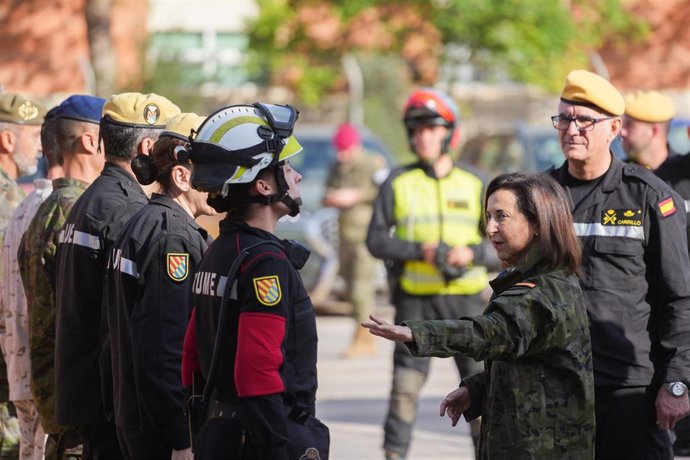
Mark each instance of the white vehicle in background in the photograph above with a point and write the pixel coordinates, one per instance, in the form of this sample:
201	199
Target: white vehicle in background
318	226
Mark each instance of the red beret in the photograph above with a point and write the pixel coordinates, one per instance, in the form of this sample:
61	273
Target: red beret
346	136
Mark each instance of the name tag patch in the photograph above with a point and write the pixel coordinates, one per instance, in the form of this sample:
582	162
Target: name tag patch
629	217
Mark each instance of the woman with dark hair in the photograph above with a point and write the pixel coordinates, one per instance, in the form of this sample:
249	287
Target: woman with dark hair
536	395
148	292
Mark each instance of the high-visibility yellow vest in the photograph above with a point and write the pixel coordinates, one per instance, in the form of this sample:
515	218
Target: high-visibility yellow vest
431	210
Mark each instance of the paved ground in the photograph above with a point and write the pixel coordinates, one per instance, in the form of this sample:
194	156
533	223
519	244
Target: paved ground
353	399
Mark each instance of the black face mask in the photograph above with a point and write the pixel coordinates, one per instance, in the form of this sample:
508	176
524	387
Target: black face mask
296	252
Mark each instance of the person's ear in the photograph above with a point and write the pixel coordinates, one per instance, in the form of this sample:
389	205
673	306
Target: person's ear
616	126
7	140
263	187
146	146
181	177
89	142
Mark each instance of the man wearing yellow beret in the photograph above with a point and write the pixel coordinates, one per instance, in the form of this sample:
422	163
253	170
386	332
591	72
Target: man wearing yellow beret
130	125
20	143
635	274
645	127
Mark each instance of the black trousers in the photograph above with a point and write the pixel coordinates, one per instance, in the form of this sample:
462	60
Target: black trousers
220	439
137	445
100	442
626	425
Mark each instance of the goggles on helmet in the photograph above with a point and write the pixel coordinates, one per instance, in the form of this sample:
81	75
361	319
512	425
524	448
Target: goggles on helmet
281	118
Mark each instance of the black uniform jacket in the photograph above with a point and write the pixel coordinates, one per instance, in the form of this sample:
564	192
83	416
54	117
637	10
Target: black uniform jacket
675	171
148	292
268	348
96	219
635	275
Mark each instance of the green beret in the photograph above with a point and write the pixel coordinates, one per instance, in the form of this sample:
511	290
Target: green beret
589	89
649	106
139	110
15	108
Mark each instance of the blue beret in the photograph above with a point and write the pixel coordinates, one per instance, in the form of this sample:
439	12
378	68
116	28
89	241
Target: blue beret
82	108
52	113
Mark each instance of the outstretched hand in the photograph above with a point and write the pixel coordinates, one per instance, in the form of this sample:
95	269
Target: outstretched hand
455	404
382	328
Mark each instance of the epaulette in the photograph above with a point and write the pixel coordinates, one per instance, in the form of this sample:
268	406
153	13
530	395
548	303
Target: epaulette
646	176
519	288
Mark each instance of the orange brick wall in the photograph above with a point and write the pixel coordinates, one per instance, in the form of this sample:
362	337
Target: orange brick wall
44	48
662	61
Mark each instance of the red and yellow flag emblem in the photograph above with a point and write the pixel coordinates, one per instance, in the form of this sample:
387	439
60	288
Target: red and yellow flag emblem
667	207
267	290
178	266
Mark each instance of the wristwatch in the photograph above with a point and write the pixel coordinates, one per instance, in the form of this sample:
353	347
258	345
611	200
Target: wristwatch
677	389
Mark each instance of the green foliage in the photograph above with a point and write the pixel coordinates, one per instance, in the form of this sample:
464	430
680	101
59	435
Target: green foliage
533	41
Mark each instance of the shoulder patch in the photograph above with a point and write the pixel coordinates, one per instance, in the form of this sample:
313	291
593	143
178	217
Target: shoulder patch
267	289
178	266
667	207
526	284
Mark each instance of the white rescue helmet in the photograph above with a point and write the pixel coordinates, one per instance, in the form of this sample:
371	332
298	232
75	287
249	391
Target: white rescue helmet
237	142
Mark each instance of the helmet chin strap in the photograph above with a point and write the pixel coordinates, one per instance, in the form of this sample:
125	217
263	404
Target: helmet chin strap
283	194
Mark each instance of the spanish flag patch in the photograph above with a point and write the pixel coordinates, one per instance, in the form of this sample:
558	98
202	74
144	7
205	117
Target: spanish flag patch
667	207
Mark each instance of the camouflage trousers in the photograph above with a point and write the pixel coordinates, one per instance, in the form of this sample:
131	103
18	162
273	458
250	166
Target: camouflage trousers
410	373
358	269
32	437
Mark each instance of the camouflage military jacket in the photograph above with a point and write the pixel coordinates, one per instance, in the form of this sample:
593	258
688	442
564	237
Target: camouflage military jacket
13	304
11	195
536	396
360	174
37	266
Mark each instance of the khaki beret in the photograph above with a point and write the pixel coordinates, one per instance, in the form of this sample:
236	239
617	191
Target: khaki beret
180	126
589	89
139	110
15	108
649	106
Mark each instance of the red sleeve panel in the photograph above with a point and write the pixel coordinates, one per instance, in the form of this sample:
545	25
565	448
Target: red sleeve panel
259	354
190	359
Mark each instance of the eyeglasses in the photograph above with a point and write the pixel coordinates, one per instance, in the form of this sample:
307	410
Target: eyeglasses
582	122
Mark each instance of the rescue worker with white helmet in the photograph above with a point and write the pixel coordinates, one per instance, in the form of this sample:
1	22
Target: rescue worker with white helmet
252	334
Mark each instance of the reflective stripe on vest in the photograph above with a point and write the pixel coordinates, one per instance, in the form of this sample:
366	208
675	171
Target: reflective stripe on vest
597	229
418	215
